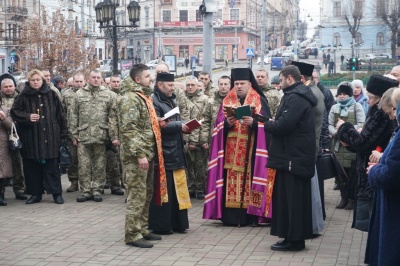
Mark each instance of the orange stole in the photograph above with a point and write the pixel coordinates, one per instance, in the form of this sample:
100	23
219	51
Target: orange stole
270	188
235	153
163	196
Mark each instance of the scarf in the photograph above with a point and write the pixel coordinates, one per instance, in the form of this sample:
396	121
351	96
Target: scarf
359	97
342	106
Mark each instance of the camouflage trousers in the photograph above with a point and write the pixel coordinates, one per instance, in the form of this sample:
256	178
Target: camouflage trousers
92	170
18	178
197	169
140	190
73	168
113	170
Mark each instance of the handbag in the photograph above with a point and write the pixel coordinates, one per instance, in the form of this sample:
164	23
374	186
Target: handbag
326	166
64	158
14	143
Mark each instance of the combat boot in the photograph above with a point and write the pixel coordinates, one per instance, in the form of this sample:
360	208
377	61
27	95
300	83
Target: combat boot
74	187
3	202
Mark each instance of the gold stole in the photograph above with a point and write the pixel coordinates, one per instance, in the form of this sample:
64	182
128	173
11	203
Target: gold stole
157	133
181	188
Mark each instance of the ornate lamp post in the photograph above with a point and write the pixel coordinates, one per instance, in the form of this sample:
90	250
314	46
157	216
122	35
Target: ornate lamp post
105	15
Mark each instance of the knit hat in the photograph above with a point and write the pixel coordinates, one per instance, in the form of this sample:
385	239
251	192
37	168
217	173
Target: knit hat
358	83
275	80
346	88
378	84
7	76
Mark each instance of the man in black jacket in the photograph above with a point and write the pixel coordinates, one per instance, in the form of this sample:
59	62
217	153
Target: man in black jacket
292	154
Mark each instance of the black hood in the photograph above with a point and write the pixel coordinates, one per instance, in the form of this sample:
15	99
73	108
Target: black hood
303	91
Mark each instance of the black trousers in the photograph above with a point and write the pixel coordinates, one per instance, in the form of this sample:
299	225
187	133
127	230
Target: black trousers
40	177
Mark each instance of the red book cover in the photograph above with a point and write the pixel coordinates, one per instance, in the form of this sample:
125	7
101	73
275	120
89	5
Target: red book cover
193	124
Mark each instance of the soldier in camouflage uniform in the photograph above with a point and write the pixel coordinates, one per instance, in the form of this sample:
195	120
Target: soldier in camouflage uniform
67	101
269	91
8	95
137	153
47	77
93	121
197	155
113	169
211	111
210	89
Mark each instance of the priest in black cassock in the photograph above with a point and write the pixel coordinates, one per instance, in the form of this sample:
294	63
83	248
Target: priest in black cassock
292	154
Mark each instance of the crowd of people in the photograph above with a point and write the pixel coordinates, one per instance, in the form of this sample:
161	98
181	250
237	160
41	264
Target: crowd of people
253	159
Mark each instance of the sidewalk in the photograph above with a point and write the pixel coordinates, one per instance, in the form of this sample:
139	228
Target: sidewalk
93	234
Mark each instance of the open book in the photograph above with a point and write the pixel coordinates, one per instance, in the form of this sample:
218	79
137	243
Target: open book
238	112
193	124
172	113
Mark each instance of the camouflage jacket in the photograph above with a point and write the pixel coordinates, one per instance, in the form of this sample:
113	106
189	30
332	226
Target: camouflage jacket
67	101
273	98
199	99
183	104
93	116
209	115
51	85
210	89
135	130
8	100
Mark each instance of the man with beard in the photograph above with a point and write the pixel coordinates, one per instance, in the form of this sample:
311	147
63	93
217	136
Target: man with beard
292	155
237	177
171	216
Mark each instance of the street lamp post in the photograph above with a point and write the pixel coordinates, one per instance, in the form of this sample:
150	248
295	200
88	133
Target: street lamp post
105	14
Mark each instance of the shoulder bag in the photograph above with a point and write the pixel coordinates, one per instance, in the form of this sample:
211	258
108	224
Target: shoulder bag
14	143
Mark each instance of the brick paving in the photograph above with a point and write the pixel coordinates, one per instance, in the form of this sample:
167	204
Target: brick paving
92	234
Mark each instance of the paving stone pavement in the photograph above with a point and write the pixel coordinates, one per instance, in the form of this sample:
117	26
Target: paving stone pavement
92	233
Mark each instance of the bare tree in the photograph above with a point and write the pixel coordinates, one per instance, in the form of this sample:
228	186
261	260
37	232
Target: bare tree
353	13
389	12
51	44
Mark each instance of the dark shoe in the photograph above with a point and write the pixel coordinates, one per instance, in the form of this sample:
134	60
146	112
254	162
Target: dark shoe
200	195
289	246
192	194
117	191
3	201
107	185
281	242
10	182
336	187
97	198
163	232
350	205
21	196
83	198
58	199
63	170
343	203
34	199
141	243
73	187
152	237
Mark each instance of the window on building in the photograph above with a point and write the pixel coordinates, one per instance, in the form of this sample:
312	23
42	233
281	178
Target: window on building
380	7
358	5
234	14
380	39
336	38
183	15
1	30
24	3
146	16
218	14
337	9
358	38
199	16
166	16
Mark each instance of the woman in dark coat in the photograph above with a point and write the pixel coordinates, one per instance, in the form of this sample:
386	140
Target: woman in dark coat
5	157
376	133
41	124
384	232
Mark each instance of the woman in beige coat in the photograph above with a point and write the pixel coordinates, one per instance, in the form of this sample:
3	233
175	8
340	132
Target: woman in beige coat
5	156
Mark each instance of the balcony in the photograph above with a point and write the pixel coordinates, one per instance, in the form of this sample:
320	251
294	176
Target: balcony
19	13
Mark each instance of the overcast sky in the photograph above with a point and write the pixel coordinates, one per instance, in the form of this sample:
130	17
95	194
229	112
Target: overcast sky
312	8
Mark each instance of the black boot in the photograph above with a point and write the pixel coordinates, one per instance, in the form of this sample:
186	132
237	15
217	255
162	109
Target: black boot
3	202
350	205
343	203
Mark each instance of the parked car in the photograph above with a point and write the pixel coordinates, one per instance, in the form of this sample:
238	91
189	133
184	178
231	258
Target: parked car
267	59
180	61
152	64
369	56
302	53
383	56
277	63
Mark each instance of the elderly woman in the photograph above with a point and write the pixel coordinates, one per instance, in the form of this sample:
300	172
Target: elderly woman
375	135
345	110
359	95
41	124
384	232
5	156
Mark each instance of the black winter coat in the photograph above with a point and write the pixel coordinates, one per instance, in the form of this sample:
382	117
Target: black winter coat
293	132
376	132
40	140
172	138
329	100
